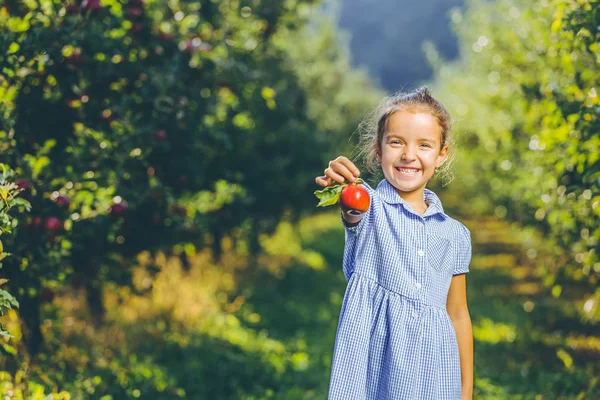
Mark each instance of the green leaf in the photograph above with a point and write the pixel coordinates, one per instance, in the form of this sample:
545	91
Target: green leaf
7	296
329	196
18	25
39	165
3	281
13	48
19	201
7	348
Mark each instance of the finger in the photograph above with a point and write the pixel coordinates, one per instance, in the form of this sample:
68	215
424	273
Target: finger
349	165
334	176
340	169
323	181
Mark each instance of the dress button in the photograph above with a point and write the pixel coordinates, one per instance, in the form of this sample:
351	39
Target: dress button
414	314
421	253
418	285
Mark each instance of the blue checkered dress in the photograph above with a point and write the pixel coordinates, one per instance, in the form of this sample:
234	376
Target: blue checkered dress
395	339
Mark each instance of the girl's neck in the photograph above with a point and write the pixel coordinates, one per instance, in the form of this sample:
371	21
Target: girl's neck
416	200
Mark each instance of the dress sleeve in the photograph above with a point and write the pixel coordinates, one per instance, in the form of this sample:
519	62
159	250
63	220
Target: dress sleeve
354	230
463	254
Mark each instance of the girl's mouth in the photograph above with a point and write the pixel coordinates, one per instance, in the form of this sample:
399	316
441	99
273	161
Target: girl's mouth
407	171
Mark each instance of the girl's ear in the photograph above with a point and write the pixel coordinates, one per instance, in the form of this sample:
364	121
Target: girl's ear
377	150
441	157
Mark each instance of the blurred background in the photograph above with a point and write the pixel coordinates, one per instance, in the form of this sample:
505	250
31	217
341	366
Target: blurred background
160	238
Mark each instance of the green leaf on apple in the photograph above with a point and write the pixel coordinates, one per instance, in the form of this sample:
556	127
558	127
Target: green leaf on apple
331	194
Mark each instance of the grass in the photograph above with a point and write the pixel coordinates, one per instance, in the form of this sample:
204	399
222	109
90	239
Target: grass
264	328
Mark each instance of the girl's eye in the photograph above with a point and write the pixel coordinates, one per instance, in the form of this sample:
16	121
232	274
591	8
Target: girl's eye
425	145
395	142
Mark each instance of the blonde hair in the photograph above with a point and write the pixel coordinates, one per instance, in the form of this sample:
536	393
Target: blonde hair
373	128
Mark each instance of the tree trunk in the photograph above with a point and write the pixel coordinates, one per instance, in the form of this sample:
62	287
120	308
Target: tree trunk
94	296
29	310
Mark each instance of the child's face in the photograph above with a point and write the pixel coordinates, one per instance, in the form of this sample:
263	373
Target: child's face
410	151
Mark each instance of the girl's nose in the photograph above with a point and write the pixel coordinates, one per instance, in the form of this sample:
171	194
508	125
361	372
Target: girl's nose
408	154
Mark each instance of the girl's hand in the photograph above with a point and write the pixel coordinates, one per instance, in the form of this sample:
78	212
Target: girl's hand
338	170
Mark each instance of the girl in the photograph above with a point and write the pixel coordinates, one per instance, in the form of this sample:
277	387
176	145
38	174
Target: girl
404	331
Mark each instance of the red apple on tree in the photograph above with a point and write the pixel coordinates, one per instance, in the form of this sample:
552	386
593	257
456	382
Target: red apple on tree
137	27
53	224
119	208
135	12
73	9
23	184
75	57
160	136
168	37
92	5
63	200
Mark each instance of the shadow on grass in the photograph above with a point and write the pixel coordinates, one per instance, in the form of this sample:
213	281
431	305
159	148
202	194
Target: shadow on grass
530	357
301	309
517	352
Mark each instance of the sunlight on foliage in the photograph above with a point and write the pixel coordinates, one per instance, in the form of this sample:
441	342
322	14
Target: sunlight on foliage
488	331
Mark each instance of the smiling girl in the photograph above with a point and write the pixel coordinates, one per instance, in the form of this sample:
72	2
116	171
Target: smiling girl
404	330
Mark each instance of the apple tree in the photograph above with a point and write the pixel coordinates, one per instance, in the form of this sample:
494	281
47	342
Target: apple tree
151	126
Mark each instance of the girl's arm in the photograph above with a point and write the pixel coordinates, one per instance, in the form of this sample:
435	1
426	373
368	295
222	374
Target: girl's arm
338	171
457	308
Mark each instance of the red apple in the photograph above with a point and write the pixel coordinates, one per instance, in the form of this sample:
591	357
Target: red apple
75	57
63	200
135	12
92	5
73	9
53	224
23	184
168	37
160	136
355	198
137	27
118	208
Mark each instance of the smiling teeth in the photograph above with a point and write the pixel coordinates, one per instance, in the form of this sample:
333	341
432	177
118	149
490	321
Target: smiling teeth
407	170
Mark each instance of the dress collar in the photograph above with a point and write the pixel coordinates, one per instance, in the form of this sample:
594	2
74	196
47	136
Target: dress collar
388	193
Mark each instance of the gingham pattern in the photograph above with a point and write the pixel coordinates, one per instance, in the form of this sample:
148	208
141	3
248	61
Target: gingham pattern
395	339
